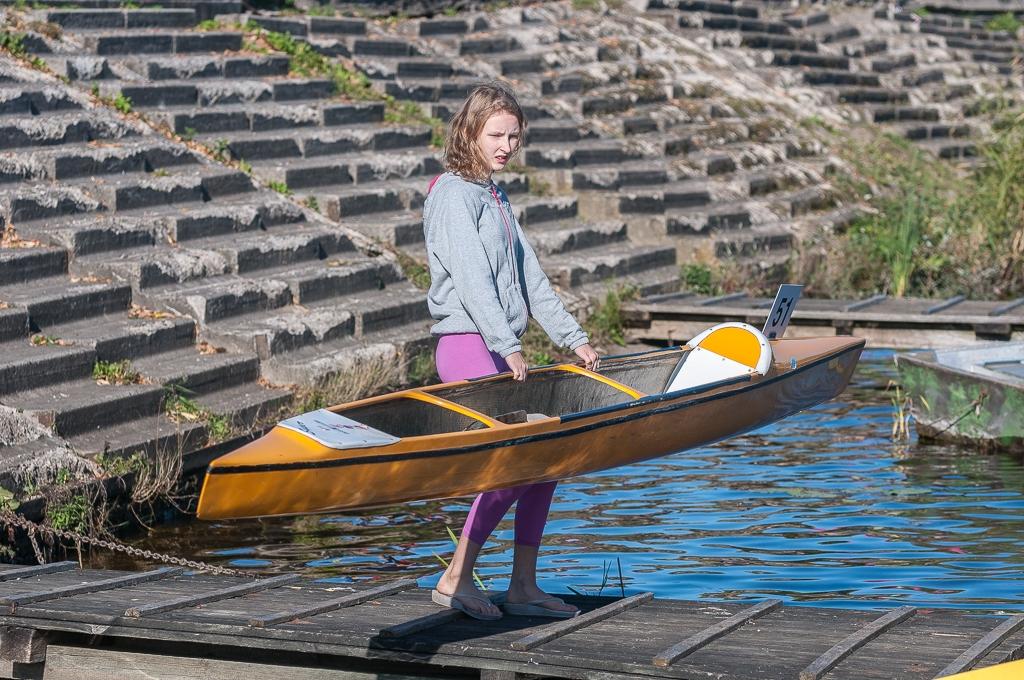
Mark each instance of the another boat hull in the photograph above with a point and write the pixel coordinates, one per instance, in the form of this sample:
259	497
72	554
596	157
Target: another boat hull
458	465
963	406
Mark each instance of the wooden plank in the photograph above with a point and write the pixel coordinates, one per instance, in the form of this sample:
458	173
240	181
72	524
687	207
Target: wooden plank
566	626
83	663
830	659
1007	307
708	635
982	647
13	601
22	645
38	570
945	304
211	596
721	298
349	600
861	304
422	623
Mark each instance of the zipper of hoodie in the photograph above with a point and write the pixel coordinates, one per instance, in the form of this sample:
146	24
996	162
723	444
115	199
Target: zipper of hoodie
508	232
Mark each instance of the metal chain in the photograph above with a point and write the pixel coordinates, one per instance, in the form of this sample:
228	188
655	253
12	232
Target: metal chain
10	518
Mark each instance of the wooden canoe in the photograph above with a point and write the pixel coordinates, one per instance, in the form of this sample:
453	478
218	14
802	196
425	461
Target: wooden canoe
448	440
972	395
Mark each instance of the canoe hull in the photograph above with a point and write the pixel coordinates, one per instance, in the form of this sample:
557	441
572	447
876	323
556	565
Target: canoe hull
468	463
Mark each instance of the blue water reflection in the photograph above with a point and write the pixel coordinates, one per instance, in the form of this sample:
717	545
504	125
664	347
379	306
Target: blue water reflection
822	508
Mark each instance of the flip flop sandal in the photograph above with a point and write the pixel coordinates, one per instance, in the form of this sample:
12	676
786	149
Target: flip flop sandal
534	608
455	602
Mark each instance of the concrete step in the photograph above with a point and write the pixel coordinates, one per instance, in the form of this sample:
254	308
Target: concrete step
246	406
684	194
535	210
868	95
804	201
710	6
20	265
890	63
25	366
198	373
150	435
400	228
79	406
374	361
212	93
218	297
950	148
361	312
771	41
840	77
450	26
214	256
25	99
654	281
157	41
787	58
318	142
431	90
78	19
28	202
566	237
134	155
491	44
179	223
187	68
300	25
64	127
921	77
339	202
114	337
713	22
193	120
585	152
605	262
196	184
304	174
58	299
758	241
888	114
646	173
923	130
705	220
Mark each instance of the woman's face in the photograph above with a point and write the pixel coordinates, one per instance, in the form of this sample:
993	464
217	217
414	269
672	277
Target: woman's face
499	139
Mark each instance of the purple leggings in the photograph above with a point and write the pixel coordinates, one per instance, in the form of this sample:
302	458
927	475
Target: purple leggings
461	356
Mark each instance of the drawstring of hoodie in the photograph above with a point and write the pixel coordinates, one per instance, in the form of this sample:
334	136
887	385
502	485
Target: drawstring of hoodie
508	232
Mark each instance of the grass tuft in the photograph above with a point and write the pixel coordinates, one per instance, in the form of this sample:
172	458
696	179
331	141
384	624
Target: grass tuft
115	373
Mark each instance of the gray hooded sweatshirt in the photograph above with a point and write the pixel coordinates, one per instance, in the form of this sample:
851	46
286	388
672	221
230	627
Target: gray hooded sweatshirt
484	276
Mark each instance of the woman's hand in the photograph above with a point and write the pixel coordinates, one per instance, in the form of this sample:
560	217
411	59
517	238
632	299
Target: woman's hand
517	364
590	358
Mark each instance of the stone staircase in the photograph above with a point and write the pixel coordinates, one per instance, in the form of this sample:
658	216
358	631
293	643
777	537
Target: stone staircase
128	246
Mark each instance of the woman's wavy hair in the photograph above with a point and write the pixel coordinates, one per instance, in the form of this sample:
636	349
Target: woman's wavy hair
461	153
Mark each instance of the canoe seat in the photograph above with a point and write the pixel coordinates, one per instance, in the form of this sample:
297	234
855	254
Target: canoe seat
728	350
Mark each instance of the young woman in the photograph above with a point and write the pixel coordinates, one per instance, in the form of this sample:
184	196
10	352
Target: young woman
485	282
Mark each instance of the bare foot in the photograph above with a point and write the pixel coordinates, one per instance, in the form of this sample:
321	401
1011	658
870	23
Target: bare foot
520	594
468	594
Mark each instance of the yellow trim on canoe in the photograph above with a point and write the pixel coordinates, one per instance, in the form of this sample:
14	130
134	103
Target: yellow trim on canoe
1004	671
452	406
737	344
572	368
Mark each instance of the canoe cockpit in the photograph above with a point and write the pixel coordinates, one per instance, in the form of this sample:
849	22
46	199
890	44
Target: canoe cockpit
554	392
549	392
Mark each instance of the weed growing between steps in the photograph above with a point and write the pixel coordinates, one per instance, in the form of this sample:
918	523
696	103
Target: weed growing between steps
180	408
1004	22
14	44
934	230
116	373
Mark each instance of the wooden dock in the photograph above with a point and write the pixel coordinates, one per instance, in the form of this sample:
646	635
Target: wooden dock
883	321
60	622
